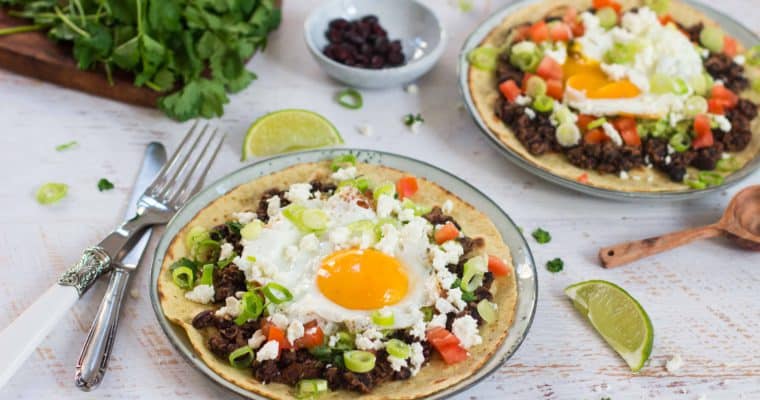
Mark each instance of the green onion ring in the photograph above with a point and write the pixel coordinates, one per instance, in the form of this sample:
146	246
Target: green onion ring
596	123
359	361
206	250
52	192
308	388
710	178
342	161
345	341
252	306
382	319
397	348
487	311
472	276
695	184
680	142
349	98
207	278
484	58
183	277
543	103
277	293
242	357
727	164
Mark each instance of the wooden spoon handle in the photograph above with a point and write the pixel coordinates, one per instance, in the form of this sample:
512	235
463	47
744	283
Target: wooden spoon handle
623	253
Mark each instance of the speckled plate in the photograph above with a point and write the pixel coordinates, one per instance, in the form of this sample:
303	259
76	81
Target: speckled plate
527	283
728	24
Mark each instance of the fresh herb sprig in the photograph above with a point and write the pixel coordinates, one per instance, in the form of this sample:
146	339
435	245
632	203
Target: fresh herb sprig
194	51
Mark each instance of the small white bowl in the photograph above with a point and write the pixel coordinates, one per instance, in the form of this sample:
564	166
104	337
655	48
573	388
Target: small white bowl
419	29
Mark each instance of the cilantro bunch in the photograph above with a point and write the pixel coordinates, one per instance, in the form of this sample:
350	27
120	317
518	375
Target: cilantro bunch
192	50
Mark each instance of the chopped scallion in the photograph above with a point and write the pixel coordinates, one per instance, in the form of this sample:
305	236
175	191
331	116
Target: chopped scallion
277	293
383	318
487	311
359	361
183	277
397	348
472	275
52	192
242	357
349	98
251	308
485	58
342	161
543	103
311	388
66	146
680	142
596	123
207	277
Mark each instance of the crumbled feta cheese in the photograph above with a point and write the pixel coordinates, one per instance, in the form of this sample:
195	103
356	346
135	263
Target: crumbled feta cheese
396	363
291	252
406	215
466	330
244	217
650	179
203	294
674	364
298	192
333	340
418	330
674	118
269	351
455	298
225	251
723	123
339	236
231	308
257	339
279	320
439	321
417	358
389	242
740	59
344	174
273	206
370	339
412	88
704	53
667	160
624	175
309	242
134	293
612	133
364	129
295	331
448	253
387	205
670	149
530	113
444	306
725	156
415	126
521	100
447	206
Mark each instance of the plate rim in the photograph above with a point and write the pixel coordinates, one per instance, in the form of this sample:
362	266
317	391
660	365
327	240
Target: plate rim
170	330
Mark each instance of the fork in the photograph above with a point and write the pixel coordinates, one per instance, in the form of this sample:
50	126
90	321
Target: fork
175	183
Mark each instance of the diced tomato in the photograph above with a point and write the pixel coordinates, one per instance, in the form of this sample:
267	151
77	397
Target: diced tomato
730	46
665	19
549	69
584	120
554	89
446	233
727	97
510	90
716	106
522	33
406	187
704	136
539	32
312	336
452	354
626	126
571	19
497	266
595	136
559	32
599	4
447	345
526	76
276	333
582	178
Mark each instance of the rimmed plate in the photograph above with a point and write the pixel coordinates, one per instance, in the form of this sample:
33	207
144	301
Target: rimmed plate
728	24
525	269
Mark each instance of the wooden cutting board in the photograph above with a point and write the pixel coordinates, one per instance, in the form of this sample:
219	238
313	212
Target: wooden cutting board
34	55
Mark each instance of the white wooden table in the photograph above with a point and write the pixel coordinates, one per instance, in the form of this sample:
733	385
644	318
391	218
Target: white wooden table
703	299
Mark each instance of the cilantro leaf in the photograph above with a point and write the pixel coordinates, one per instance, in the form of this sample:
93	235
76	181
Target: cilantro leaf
555	265
104	184
542	236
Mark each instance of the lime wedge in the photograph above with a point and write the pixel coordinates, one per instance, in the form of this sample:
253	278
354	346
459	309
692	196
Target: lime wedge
617	316
289	130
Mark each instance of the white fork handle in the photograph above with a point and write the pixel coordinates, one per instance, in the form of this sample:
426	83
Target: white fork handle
19	339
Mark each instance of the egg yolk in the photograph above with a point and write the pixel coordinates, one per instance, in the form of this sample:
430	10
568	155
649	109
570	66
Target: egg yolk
587	75
362	279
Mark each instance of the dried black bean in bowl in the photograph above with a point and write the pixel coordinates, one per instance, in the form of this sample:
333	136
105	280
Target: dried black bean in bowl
362	43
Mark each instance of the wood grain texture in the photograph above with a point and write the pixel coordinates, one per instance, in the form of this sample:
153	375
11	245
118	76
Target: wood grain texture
702	298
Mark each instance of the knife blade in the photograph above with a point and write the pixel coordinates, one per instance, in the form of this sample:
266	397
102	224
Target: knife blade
96	350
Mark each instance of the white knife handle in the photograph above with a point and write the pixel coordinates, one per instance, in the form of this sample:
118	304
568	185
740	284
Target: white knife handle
93	360
19	339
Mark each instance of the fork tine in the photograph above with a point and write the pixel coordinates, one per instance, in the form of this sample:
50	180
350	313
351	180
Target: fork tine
182	187
162	192
191	190
163	173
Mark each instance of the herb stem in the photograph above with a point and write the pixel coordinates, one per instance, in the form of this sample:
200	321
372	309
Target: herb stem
71	24
20	29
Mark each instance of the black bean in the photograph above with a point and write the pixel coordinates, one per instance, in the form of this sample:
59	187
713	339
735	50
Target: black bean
377	62
339	23
370	19
362	43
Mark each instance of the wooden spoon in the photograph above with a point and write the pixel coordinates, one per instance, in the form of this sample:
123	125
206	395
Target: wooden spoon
740	222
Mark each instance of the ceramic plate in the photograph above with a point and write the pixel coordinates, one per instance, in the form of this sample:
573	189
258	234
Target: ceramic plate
728	24
527	283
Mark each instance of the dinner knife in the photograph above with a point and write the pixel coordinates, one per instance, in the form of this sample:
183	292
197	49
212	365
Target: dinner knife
25	333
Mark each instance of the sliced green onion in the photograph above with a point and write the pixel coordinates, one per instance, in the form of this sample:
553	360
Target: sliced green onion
543	103
277	293
487	311
727	164
66	146
251	230
309	388
383	318
622	53
535	86
345	341
597	123
349	98
242	357
474	269
196	235
711	38
252	307
183	277
695	184
680	142
387	188
568	134
485	58
661	84
427	313
51	192
206	250
710	178
397	348
756	85
361	183
359	361
752	55
658	6
384	221
207	277
699	84
419	209
680	87
525	56
608	18
694	106
341	161
184	262
314	219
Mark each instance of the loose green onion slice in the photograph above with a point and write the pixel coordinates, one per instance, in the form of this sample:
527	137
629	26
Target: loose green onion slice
474	269
196	235
563	115
345	341
485	58
487	311
52	192
381	318
309	388
386	188
568	134
525	56
252	307
207	278
680	142
359	361
752	55
695	184
427	313
206	250
597	123
314	219
661	84
658	6
535	86
183	277
384	221
397	348
608	18
756	85
695	105
66	146
419	209
364	226
727	164
361	183
342	161
543	103
710	178
712	39
242	357
680	87
277	293
184	262
699	84
622	53
251	230
349	98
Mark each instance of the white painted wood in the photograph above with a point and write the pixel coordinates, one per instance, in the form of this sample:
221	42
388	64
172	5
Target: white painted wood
702	298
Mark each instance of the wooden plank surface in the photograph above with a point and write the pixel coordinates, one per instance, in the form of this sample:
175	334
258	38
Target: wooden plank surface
702	299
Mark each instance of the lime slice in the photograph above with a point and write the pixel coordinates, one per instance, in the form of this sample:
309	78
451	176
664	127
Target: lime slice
289	130
617	316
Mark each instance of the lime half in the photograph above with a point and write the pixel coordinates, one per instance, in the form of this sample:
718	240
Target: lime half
617	316
288	130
